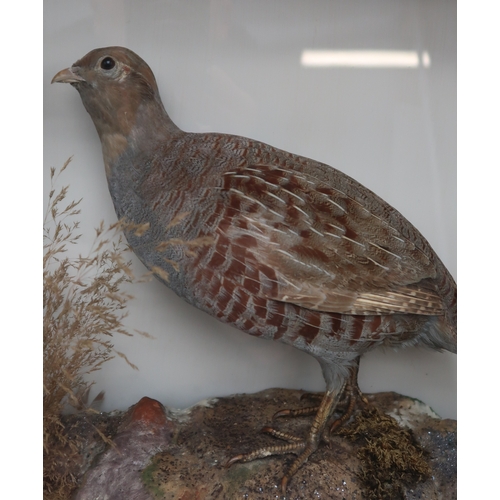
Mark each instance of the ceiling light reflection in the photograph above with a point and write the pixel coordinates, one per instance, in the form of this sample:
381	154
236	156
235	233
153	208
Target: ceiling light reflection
426	59
364	58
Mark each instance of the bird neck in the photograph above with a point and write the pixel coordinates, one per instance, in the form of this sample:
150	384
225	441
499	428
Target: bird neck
135	132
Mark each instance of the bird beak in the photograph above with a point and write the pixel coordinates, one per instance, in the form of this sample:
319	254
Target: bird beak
67	75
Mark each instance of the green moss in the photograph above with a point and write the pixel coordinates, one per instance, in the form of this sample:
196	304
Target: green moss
149	478
391	458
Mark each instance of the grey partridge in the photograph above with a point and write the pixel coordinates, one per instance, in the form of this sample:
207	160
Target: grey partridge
275	244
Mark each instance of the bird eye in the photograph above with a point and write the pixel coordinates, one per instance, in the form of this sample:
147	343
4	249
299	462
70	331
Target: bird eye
108	63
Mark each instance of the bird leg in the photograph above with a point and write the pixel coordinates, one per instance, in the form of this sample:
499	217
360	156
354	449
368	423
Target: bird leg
351	395
303	448
347	403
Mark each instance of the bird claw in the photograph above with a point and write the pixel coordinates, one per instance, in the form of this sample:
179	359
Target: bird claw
233	460
284	484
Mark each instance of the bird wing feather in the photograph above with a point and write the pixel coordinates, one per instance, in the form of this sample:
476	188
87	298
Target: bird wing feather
321	247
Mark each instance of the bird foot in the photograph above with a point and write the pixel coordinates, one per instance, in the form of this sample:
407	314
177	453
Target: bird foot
301	447
331	401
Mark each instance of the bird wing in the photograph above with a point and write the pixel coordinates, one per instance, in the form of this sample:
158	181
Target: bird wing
328	246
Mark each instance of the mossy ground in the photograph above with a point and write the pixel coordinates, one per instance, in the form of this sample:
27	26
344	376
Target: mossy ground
391	458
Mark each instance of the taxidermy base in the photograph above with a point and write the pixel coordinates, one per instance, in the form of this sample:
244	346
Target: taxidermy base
394	447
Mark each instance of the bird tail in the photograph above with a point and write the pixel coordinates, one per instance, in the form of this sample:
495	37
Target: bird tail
441	335
442	332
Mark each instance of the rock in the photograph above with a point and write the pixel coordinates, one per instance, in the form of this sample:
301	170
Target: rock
144	431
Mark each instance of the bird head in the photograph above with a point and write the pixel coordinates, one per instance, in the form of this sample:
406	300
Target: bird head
109	66
119	91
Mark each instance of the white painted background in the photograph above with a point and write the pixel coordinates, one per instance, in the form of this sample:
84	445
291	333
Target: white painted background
235	67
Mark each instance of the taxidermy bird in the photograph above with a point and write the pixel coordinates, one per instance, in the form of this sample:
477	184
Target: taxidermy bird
280	246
